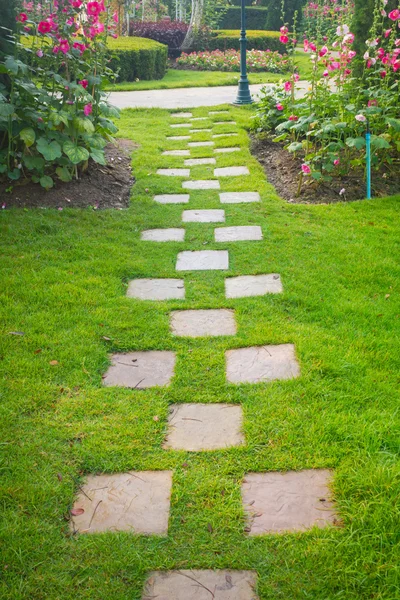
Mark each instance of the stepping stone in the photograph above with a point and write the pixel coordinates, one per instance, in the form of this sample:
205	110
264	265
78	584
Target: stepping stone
176	153
201	585
196	427
199	119
178	125
253	285
231	171
198	144
203	216
194	162
225	123
203	260
203	323
219	112
139	370
179	137
261	363
172	198
226	150
163	235
174	172
292	501
156	289
238	234
202	184
138	502
218	135
239	197
199	130
182	115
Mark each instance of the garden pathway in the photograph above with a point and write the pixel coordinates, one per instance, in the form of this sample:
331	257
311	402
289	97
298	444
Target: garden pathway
139	502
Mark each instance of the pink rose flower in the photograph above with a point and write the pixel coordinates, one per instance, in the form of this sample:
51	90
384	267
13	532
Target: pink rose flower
22	17
279	106
44	27
284	39
336	162
372	102
93	9
115	17
39	53
323	51
394	14
293	118
288	86
84	83
306	169
360	118
64	46
88	109
387	33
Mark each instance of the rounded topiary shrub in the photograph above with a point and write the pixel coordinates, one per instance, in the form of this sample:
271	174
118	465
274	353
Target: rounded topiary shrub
137	58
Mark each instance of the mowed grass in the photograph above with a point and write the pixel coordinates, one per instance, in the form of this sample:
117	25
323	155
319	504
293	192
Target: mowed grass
64	277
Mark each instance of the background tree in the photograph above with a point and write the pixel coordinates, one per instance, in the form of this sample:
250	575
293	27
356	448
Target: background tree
7	22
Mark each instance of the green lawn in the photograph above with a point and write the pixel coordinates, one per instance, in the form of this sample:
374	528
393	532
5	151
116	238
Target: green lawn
64	277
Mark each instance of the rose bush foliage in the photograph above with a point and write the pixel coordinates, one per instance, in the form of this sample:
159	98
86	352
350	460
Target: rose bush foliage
257	60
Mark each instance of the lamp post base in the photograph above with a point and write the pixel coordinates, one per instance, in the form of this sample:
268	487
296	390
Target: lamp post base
243	94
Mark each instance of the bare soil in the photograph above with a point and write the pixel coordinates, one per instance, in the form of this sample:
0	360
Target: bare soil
99	186
282	169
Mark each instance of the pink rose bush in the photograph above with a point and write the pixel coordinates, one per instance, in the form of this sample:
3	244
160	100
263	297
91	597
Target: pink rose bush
55	116
229	60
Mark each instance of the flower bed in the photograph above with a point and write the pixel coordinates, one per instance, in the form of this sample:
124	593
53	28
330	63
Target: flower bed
257	60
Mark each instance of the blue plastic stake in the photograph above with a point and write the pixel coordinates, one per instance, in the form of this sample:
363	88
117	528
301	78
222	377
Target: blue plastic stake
368	149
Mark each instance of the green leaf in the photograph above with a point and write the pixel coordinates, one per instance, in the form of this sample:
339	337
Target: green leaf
98	156
46	182
358	142
379	142
3	168
316	175
84	125
14	174
58	118
33	162
280	138
64	174
6	109
28	136
395	123
295	146
50	150
76	154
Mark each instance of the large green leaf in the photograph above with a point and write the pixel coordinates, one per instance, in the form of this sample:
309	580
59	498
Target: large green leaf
84	125
28	136
14	174
50	150
76	154
33	162
64	174
98	156
395	123
46	182
295	146
379	142
358	142
6	109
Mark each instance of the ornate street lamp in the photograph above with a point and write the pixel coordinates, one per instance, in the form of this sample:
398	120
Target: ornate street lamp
243	94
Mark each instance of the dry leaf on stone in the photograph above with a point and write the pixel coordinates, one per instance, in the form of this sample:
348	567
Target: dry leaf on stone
75	512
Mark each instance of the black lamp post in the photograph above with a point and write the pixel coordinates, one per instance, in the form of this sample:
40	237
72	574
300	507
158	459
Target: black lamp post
243	94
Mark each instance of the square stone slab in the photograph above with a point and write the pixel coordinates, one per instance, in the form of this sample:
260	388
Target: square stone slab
182	115
172	198
231	171
163	235
225	123
177	125
199	130
239	197
138	502
292	501
201	585
238	234
219	112
253	285
202	184
174	172
203	260
139	370
225	150
193	162
218	135
199	119
261	363
203	323
203	216
196	427
179	137
176	153
156	289
198	144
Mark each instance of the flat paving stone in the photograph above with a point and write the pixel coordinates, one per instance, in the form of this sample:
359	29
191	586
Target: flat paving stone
202	184
140	370
194	162
227	150
203	260
182	115
238	234
199	119
196	427
292	501
138	502
172	198
201	585
178	125
179	137
231	171
219	135
156	289
218	112
261	363
199	130
253	285
174	172
203	216
203	323
199	144
224	123
176	153
239	197
163	235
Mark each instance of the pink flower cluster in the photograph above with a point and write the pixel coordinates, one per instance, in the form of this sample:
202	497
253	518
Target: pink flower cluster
229	60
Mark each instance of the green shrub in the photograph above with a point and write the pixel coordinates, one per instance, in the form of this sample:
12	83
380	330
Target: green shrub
267	16
256	18
226	39
138	58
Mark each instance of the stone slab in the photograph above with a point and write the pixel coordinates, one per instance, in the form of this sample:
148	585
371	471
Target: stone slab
199	144
253	285
174	172
218	112
238	234
139	370
201	585
194	162
199	130
176	153
199	119
203	260
231	171
239	197
163	235
203	216
179	137
227	150
292	501
172	198
203	323
156	289
219	135
202	184
224	123
178	125
181	115
197	427
261	363
138	502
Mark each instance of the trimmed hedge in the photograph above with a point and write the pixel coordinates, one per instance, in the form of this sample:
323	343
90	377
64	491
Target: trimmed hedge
256	18
138	58
256	40
267	16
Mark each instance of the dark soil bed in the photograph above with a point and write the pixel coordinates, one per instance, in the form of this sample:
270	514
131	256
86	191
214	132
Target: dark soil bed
283	168
100	186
